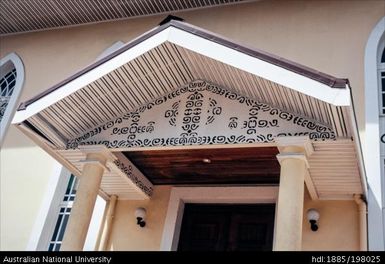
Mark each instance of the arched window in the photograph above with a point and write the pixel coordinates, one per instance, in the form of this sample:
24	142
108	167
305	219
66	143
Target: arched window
7	85
375	134
11	83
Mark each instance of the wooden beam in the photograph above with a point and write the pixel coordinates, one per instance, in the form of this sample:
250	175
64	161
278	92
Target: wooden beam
310	187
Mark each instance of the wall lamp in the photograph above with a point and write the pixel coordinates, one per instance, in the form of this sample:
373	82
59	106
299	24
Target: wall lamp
313	217
140	214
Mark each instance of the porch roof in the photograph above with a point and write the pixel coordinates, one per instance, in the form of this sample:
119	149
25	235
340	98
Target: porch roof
175	54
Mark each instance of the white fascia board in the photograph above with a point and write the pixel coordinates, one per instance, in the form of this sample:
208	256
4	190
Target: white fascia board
91	76
237	59
342	96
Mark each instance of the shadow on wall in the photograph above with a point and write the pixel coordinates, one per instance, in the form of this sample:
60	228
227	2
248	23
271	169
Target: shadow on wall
375	216
16	139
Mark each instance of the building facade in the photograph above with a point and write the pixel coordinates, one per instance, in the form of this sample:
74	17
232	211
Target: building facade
228	126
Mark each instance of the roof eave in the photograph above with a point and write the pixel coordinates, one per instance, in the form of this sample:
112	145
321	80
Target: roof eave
292	75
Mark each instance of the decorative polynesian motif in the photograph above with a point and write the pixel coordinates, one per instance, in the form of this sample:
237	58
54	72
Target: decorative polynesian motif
201	113
172	113
214	110
128	171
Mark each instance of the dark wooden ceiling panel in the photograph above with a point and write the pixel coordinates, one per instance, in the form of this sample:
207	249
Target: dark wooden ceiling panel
227	166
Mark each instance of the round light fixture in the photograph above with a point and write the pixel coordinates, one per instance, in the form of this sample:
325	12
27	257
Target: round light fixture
206	160
313	217
140	214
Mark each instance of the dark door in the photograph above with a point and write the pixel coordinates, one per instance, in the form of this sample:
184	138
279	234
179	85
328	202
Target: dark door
207	227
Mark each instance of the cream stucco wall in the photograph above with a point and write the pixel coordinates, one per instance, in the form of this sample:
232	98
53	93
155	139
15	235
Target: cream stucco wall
338	224
329	36
126	235
24	179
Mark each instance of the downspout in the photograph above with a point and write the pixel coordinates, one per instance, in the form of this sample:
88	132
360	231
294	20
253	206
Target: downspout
362	209
360	199
104	233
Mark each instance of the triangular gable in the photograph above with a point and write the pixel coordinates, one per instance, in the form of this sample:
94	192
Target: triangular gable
299	78
201	113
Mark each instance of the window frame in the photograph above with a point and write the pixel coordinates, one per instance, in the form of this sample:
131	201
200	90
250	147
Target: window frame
63	214
7	64
380	69
381	90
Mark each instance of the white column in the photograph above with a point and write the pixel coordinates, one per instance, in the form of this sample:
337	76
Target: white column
81	212
104	233
294	165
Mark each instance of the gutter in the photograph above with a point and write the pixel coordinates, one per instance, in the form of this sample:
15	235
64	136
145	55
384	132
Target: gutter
362	214
360	199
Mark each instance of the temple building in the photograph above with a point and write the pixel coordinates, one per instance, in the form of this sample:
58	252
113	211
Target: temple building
192	125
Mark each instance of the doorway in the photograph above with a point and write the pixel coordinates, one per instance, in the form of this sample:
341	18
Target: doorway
224	227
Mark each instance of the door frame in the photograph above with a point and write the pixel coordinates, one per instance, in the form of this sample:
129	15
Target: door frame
218	195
